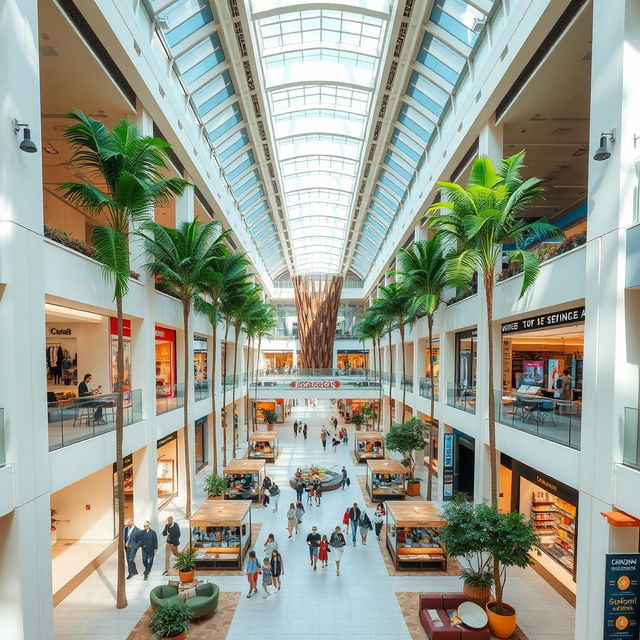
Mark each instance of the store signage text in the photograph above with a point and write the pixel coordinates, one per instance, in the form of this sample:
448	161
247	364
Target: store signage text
555	319
60	332
447	488
621	596
545	483
315	384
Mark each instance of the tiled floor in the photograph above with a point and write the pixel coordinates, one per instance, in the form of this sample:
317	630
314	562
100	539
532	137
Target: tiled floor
360	603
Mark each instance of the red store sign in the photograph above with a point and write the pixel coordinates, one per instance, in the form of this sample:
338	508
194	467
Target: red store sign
315	384
126	327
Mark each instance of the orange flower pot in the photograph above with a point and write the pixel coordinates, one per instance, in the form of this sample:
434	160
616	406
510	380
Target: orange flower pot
187	576
501	626
182	636
413	489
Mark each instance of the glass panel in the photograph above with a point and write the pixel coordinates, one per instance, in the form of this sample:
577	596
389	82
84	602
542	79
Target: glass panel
200	59
218	90
187	16
223	122
426	93
453	15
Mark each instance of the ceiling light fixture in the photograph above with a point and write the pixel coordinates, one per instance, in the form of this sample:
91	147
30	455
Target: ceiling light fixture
27	145
71	314
603	152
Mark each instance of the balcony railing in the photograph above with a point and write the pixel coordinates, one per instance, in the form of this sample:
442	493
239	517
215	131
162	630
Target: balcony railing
406	382
169	397
231	381
316	378
631	442
548	418
427	387
3	459
201	389
461	397
72	420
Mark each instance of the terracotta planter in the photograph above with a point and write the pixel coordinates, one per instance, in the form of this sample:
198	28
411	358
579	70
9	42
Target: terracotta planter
182	636
479	595
215	498
187	576
269	426
501	626
413	489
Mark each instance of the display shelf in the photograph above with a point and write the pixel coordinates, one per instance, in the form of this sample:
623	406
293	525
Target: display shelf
386	479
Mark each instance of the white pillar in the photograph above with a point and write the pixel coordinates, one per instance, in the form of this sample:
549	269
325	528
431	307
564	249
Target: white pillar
185	205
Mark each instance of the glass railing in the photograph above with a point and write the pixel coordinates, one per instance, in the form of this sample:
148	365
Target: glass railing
299	371
406	382
631	442
461	397
427	388
548	418
75	419
169	397
201	389
385	377
231	381
3	459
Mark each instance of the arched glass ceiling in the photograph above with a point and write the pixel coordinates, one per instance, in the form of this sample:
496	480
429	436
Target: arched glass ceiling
320	68
450	34
188	30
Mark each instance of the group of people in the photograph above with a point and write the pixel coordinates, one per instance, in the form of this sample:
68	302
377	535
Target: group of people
300	426
271	569
146	539
270	492
357	518
320	547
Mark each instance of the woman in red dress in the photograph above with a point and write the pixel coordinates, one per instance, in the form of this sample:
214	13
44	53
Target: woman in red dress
346	520
323	553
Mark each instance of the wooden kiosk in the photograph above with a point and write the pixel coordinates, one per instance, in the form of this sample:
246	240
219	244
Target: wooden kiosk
386	479
221	533
413	536
263	445
244	479
368	446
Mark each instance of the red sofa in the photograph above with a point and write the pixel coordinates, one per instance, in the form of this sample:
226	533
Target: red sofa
434	616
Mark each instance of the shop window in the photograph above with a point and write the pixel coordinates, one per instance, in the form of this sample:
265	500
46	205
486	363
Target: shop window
201	443
165	362
466	358
353	359
167	457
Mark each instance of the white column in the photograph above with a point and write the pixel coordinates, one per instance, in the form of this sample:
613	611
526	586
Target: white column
145	486
185	205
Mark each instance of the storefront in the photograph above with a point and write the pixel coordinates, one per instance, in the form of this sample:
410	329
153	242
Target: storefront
553	509
167	458
127	468
466	358
435	359
274	405
201	443
353	359
126	347
200	364
458	464
165	362
278	360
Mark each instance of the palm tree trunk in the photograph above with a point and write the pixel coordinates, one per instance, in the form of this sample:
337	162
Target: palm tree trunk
390	377
214	328
186	308
404	373
374	375
223	409
381	400
233	392
246	412
431	411
254	415
121	589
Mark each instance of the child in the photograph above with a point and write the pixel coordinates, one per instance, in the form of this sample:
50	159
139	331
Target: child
266	577
345	519
323	553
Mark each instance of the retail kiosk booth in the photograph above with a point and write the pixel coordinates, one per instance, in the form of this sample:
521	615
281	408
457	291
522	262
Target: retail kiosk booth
413	536
263	445
221	533
386	479
244	479
369	446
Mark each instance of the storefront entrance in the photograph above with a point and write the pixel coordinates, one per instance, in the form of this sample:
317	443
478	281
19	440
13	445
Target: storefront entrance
201	443
167	468
353	359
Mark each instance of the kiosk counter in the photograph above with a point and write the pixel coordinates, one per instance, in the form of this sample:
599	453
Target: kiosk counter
386	479
263	445
369	446
244	479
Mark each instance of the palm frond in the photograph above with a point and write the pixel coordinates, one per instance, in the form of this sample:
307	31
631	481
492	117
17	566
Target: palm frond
112	252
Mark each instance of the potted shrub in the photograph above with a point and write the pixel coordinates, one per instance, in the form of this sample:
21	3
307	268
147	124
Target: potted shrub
215	486
467	536
358	419
405	438
186	565
510	537
270	417
170	621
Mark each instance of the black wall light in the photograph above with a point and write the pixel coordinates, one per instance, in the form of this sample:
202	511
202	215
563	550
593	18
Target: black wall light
27	145
603	152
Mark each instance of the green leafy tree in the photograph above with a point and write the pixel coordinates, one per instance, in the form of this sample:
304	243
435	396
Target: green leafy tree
405	438
371	327
423	267
181	258
125	183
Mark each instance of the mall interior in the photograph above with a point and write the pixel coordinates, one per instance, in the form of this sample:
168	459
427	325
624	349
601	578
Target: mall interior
317	136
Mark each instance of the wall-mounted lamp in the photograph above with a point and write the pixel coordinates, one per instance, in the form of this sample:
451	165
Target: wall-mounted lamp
27	145
603	152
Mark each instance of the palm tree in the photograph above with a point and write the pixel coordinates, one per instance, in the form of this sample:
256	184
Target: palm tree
372	329
125	183
424	268
181	258
266	325
228	271
480	219
393	308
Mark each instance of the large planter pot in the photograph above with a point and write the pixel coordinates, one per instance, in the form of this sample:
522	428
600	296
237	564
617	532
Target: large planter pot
215	498
413	489
187	576
479	595
501	626
182	636
269	426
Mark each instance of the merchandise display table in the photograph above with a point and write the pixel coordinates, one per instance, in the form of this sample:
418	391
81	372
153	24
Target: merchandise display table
263	445
369	446
386	479
244	479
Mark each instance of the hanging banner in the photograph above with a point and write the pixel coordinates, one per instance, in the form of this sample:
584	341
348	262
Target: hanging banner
621	596
447	485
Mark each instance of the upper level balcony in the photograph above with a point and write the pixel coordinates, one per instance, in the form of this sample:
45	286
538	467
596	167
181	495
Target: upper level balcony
429	388
461	397
316	379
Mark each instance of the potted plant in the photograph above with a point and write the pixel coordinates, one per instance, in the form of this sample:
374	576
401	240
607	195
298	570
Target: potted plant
405	438
186	565
357	418
510	538
215	486
170	621
270	417
467	536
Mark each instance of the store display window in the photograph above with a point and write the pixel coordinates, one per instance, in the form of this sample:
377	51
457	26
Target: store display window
413	536
166	468
127	468
200	364
165	362
466	358
221	533
369	446
386	479
263	445
278	361
353	359
244	479
201	443
126	345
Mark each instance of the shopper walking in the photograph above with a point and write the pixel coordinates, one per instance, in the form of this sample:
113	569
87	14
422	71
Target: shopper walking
299	490
274	492
323	552
299	514
295	429
378	520
337	543
354	518
318	493
171	533
270	545
252	571
131	544
267	576
292	520
345	477
345	437
346	520
149	544
334	443
365	526
277	568
313	542
304	430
